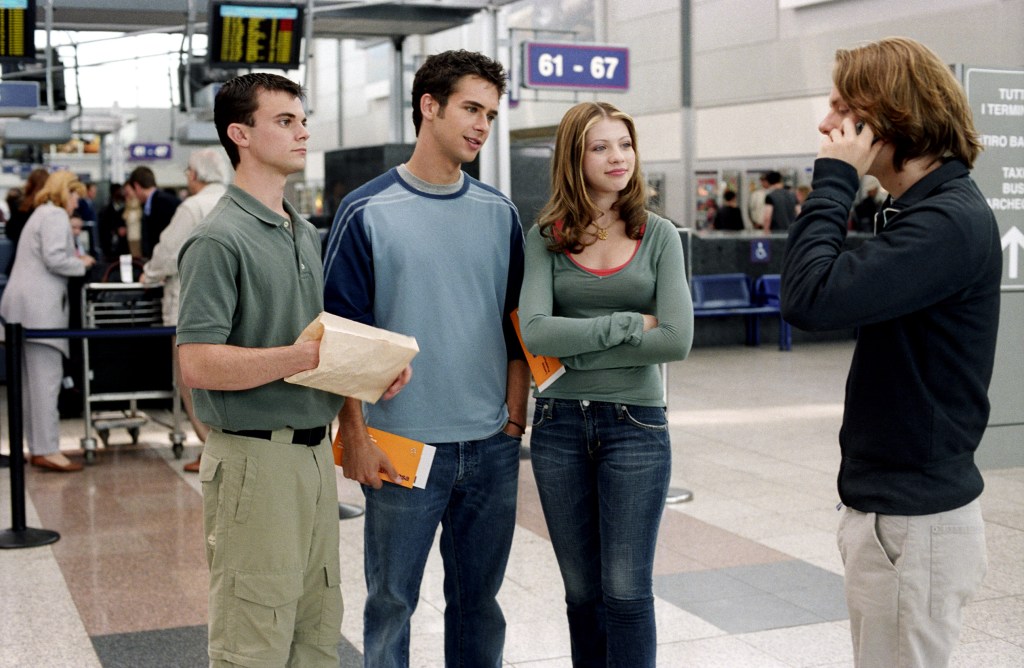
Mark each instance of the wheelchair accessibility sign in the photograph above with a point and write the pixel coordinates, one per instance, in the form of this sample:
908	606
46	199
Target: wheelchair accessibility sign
760	251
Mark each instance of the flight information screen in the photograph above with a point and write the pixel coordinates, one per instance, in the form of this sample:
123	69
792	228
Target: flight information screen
254	35
17	29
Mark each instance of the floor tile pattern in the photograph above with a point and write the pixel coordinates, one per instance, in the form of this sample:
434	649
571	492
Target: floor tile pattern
747	573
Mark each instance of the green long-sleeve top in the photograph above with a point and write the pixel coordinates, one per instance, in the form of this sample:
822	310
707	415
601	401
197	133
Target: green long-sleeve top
594	323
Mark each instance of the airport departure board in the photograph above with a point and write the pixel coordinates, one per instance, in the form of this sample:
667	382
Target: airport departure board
254	35
17	30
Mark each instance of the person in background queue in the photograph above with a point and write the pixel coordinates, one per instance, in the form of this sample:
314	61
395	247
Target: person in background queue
22	207
207	175
729	217
158	207
780	205
37	297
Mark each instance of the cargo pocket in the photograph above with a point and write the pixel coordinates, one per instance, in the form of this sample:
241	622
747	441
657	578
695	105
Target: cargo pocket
210	475
332	609
263	620
209	466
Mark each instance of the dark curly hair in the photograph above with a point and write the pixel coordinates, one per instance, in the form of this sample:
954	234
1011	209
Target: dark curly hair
441	72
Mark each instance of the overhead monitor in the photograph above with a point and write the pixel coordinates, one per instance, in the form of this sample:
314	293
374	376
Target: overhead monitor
254	35
17	30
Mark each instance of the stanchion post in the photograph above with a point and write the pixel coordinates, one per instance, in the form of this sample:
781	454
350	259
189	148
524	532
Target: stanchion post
15	428
675	494
19	535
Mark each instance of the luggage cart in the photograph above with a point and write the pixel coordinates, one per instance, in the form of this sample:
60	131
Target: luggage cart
124	366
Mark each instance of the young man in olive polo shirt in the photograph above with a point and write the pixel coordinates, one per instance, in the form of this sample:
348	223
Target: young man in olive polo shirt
251	280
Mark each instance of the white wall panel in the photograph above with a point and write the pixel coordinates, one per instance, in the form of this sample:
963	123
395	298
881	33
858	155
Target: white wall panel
723	24
660	137
655	80
775	128
619	10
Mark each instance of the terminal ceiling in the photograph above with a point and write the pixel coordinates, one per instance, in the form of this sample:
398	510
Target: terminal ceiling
333	19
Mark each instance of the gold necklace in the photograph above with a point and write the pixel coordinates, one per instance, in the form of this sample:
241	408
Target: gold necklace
602	232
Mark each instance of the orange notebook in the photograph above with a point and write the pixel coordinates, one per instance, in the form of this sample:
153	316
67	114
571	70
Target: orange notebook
545	370
411	459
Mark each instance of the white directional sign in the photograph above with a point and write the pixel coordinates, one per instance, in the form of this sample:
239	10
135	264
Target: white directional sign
997	100
1014	241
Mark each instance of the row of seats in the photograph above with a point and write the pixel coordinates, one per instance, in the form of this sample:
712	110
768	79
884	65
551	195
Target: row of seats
720	295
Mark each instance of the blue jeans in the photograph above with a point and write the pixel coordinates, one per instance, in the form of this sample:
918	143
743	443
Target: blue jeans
471	492
602	471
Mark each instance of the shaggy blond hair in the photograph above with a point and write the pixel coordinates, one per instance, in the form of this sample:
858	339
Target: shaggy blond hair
908	97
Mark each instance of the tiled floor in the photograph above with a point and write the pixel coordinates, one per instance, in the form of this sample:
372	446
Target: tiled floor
747	573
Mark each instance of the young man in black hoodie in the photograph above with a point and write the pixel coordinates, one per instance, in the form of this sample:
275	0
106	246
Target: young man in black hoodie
925	294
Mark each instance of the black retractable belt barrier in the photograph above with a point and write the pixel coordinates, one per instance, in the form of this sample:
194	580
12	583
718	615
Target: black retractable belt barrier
18	535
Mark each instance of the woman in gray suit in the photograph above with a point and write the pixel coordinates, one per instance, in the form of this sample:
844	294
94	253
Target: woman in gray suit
37	296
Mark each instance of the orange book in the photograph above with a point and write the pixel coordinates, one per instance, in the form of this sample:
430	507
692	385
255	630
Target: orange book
411	459
545	370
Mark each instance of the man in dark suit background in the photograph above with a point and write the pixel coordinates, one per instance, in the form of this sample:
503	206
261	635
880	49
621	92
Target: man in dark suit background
158	206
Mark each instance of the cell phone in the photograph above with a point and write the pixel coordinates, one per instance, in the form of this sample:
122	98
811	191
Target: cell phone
860	126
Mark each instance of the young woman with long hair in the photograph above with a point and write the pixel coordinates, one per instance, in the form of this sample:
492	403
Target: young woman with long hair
605	291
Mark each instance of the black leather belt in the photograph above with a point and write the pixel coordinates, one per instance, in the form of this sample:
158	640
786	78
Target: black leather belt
308	437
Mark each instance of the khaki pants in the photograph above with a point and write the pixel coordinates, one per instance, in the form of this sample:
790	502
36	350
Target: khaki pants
908	579
270	515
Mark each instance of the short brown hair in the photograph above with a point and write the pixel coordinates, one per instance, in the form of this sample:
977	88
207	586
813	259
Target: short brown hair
142	177
569	201
908	97
238	100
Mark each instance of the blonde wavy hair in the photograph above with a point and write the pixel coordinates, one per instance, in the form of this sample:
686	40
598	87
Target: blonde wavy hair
58	187
910	98
570	205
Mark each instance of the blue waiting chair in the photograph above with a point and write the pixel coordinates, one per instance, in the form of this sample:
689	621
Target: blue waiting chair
717	295
767	291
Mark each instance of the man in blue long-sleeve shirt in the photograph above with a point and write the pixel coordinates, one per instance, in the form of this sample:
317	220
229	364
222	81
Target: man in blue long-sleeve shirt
426	250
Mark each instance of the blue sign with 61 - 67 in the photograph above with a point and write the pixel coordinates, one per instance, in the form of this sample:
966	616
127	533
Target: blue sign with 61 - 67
576	66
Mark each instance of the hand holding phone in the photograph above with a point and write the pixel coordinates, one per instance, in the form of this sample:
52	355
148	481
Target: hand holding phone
860	126
840	145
